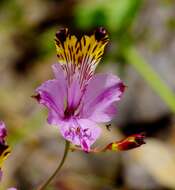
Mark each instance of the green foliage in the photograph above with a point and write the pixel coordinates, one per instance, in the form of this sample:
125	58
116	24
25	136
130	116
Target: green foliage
116	15
11	17
46	43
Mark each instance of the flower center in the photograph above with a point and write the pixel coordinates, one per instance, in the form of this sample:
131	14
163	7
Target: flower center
78	132
69	112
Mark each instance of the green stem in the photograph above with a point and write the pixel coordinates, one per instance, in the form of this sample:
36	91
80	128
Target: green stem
45	184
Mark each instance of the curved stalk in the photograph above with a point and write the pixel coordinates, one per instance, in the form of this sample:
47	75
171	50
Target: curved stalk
45	184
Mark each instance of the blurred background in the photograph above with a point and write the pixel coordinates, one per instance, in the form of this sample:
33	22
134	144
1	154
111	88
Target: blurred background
141	52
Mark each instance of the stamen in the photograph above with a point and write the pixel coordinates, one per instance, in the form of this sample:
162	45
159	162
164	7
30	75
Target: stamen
82	134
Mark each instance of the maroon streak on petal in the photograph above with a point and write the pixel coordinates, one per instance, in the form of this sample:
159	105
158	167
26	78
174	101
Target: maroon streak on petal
36	97
62	34
122	87
103	91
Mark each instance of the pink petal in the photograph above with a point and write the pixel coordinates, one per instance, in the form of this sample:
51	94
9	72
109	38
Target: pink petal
74	92
102	92
52	94
73	87
59	73
81	132
93	129
3	131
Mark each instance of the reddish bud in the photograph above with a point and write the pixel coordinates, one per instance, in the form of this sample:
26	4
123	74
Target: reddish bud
127	143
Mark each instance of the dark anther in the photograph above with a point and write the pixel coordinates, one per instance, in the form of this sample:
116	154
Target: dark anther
62	34
100	33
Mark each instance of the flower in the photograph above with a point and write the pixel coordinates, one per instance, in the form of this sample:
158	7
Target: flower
4	148
77	99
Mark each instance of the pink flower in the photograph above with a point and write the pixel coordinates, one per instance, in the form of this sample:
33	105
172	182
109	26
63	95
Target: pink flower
4	148
77	99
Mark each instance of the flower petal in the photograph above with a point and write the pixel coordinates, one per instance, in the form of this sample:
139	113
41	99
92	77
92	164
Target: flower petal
92	129
59	73
83	54
4	148
3	131
74	93
52	94
81	132
102	91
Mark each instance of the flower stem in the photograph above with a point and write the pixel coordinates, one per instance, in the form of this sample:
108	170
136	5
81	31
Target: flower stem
45	184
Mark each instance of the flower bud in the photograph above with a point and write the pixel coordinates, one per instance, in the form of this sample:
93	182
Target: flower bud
127	143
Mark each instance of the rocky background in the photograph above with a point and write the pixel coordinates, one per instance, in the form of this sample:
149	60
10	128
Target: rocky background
141	52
